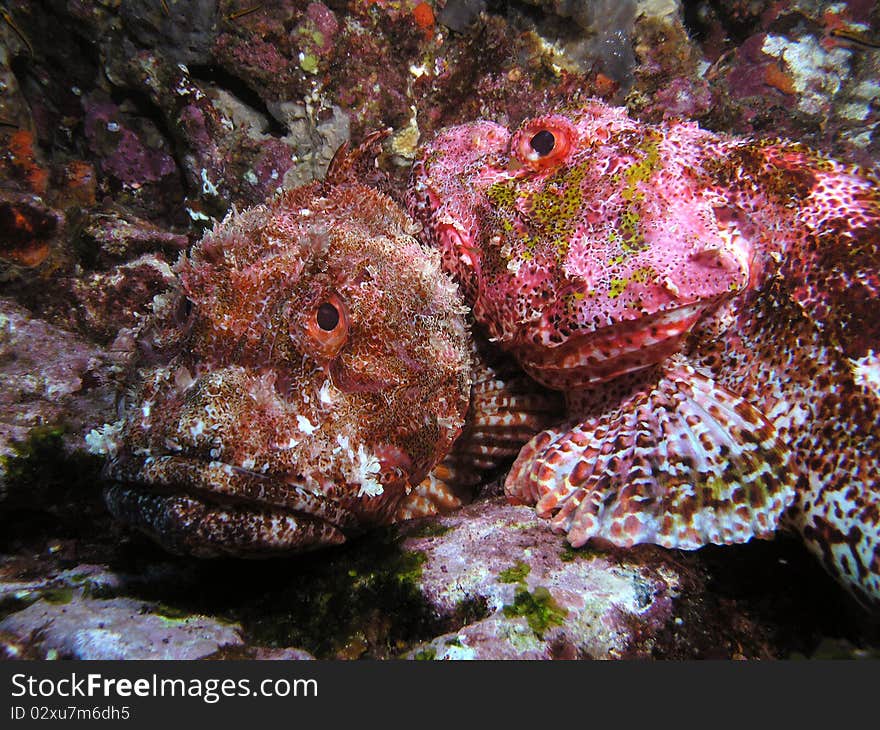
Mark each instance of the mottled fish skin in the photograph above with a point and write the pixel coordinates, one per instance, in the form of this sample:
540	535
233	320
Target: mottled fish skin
305	375
308	377
708	304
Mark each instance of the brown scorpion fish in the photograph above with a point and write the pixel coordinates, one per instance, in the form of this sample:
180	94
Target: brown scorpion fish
302	381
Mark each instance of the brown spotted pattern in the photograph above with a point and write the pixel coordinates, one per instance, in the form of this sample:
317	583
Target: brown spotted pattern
303	381
307	372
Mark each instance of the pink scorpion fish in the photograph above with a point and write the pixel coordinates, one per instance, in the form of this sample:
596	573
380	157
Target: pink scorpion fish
709	306
302	380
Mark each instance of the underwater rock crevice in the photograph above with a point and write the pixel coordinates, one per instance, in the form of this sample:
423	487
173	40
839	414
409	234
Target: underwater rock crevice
214	75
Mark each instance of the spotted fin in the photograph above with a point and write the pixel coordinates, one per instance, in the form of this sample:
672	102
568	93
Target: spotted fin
832	269
344	164
681	463
506	410
837	511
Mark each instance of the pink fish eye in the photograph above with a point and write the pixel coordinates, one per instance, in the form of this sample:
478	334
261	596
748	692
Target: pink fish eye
544	142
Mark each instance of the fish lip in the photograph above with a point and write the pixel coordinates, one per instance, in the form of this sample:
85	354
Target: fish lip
184	523
626	346
310	505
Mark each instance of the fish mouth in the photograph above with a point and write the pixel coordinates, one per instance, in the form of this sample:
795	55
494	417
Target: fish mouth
215	509
601	355
185	524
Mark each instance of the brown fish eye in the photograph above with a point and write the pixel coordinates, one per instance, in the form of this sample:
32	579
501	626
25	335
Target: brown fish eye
327	317
543	142
326	324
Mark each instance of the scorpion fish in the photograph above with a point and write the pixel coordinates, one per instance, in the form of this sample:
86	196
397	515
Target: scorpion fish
301	381
707	304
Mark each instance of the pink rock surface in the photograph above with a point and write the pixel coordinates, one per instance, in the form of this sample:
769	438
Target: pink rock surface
48	377
540	599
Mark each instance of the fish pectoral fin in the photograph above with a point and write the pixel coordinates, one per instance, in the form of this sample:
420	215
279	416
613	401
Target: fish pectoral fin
681	463
507	408
831	269
440	492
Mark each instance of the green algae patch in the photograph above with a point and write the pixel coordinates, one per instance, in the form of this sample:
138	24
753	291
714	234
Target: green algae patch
309	63
502	194
538	607
426	655
361	600
58	596
631	238
557	207
430	529
616	287
170	613
553	211
515	574
569	554
643	169
471	609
